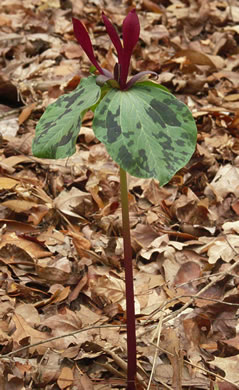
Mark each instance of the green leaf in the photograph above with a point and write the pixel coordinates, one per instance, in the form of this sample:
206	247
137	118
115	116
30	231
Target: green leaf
151	83
146	130
59	126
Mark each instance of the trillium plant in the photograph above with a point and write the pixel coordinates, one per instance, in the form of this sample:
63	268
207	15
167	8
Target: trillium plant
145	129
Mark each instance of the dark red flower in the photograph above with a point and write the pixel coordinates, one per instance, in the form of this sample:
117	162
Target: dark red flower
130	30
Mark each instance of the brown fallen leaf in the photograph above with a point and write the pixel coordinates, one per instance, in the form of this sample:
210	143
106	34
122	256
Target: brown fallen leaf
65	378
74	202
229	366
62	323
33	249
195	57
79	287
171	344
17	227
7	183
26	112
152	6
36	211
85	383
54	271
81	243
58	296
25	331
188	271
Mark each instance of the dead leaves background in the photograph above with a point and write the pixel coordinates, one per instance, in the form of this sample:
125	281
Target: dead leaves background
61	247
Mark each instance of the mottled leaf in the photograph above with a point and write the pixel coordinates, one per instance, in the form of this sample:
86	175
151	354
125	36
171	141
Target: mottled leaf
146	130
59	126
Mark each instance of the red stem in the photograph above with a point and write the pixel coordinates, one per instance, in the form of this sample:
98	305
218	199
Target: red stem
129	284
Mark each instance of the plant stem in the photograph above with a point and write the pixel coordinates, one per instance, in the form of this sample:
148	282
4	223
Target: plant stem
129	284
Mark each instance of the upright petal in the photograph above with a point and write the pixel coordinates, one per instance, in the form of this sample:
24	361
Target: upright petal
131	30
83	38
113	36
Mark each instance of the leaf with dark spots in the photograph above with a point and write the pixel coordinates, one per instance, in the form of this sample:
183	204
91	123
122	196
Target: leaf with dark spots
80	102
180	142
143	134
185	136
159	134
165	140
129	134
59	126
103	109
99	123
167	145
67	111
184	153
155	117
113	128
65	139
71	98
144	162
79	123
46	126
125	155
174	102
130	143
43	133
166	113
107	101
185	116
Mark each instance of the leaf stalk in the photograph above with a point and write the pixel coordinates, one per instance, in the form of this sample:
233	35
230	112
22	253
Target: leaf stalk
129	284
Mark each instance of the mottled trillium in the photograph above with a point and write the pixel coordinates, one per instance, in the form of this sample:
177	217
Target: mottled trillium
130	31
145	129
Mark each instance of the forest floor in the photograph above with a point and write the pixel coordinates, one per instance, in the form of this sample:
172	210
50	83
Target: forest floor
62	299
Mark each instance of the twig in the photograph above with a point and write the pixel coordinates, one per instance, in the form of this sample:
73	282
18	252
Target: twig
111	369
122	364
9	113
10	354
159	328
202	278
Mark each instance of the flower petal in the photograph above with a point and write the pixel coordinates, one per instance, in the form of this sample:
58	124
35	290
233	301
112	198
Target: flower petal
83	38
113	36
131	30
